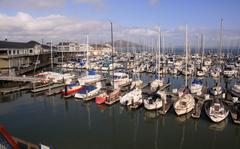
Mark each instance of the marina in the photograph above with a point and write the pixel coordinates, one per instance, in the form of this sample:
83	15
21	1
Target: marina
109	75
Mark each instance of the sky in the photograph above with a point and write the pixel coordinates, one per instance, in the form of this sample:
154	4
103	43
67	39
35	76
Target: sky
134	20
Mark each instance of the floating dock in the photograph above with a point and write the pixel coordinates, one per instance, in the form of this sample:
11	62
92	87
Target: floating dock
111	102
47	87
4	91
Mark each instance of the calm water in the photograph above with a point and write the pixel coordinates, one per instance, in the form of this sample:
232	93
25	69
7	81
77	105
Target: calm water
68	124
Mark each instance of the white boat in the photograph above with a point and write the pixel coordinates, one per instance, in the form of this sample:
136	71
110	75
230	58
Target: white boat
216	111
157	83
196	87
200	73
207	62
216	90
229	71
89	91
120	79
185	103
56	77
134	96
91	77
215	73
236	88
155	101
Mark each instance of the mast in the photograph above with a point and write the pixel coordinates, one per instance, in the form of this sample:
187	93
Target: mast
62	53
87	51
112	53
186	57
221	34
159	50
51	57
202	46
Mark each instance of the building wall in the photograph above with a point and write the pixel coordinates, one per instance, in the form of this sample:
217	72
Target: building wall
4	63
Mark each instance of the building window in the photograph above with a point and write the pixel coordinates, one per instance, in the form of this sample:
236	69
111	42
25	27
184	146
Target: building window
30	51
13	52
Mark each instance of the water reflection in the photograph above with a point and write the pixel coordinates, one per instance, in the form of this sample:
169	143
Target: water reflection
218	126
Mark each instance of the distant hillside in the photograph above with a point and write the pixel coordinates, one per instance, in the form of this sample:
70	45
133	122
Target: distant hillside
124	43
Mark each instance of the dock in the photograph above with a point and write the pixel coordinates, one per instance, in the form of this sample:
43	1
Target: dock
88	98
47	87
165	107
20	79
4	91
199	102
54	91
111	102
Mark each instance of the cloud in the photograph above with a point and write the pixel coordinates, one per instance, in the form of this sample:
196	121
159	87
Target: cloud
47	4
154	2
34	4
25	27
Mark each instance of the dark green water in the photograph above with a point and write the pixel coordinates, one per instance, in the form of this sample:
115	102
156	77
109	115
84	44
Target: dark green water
70	125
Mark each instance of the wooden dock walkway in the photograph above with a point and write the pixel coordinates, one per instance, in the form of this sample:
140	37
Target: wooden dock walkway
4	91
111	102
199	102
47	87
165	107
20	79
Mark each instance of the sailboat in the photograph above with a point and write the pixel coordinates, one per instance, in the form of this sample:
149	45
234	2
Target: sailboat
91	76
134	96
71	88
89	91
185	102
112	94
196	86
217	89
159	82
155	101
216	110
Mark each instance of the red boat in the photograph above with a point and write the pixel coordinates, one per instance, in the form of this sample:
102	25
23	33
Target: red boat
107	96
71	89
6	139
100	99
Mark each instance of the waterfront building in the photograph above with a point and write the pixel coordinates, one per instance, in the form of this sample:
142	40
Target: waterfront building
21	57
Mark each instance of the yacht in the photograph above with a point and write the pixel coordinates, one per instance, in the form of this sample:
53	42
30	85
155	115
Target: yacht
120	79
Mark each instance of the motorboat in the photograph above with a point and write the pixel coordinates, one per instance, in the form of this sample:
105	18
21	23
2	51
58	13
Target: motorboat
120	79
